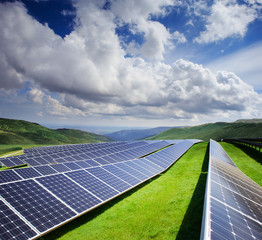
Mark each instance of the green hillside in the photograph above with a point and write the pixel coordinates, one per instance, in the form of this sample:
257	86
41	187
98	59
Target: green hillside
23	132
216	131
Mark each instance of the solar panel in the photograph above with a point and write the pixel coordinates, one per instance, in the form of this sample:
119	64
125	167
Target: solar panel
92	184
12	226
233	208
122	174
92	163
83	164
7	162
139	168
8	176
32	162
17	161
72	165
35	204
72	194
101	161
26	173
60	167
109	179
132	171
45	170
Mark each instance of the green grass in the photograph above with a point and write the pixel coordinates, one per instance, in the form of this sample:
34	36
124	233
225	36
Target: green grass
23	132
247	159
166	207
215	131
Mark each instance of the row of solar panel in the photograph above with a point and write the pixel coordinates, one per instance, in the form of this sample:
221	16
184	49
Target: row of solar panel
48	154
129	151
233	202
32	206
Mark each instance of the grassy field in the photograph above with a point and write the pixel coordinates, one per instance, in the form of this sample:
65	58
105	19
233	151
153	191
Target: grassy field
216	131
23	132
166	207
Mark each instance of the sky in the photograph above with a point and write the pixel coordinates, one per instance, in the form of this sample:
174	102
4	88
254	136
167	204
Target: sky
132	63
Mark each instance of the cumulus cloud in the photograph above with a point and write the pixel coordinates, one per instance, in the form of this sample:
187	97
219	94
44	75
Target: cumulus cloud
35	95
90	75
227	19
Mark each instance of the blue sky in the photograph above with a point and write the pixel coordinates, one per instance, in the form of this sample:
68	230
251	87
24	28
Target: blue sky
138	63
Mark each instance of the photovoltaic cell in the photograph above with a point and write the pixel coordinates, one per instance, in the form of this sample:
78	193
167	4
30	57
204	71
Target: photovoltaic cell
7	162
45	170
8	176
122	174
92	163
28	172
76	197
109	178
131	171
139	168
60	167
83	164
11	226
35	204
72	165
92	184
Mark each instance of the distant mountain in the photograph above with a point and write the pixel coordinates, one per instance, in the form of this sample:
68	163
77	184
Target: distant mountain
23	132
130	135
247	128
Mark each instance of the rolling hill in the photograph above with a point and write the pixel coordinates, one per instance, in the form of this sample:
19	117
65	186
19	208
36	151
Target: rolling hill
241	128
23	132
130	135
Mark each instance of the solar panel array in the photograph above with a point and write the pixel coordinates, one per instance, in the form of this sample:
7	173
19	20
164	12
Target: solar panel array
104	152
36	200
233	202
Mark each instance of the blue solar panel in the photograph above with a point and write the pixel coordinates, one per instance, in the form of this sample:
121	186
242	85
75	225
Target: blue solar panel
35	204
60	167
17	161
109	178
8	176
7	162
28	172
122	174
92	184
139	168
148	167
109	159
132	171
72	165
101	161
45	170
41	161
76	197
32	162
92	163
83	164
12	227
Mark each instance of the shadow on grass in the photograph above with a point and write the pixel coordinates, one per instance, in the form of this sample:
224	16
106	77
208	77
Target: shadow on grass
251	152
59	232
191	225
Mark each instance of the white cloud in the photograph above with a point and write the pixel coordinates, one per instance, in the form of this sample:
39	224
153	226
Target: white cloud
138	13
89	74
227	19
36	95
